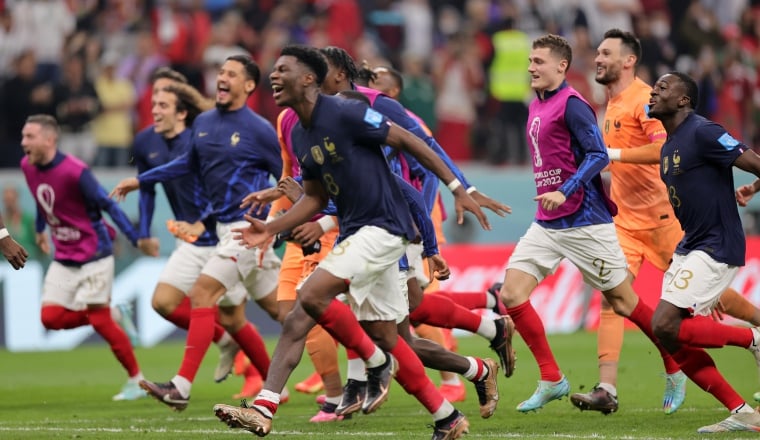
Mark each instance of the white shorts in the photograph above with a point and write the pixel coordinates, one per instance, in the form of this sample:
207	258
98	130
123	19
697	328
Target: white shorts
695	282
368	259
76	287
416	264
594	250
231	263
185	264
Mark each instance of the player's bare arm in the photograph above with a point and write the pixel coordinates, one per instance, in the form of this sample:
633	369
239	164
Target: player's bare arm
258	200
401	138
291	188
648	154
126	186
42	242
313	201
749	161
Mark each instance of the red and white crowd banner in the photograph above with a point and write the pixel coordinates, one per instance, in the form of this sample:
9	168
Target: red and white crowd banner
563	300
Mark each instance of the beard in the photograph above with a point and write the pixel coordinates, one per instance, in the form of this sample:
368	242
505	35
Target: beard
223	105
608	77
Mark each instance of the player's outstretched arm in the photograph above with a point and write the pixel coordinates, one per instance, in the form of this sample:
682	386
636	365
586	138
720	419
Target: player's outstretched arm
400	138
258	200
749	161
126	186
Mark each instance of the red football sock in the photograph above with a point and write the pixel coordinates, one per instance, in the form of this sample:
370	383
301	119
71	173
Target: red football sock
350	354
700	368
198	340
440	311
411	376
55	317
642	317
118	340
468	300
340	322
181	315
529	324
181	318
701	331
251	342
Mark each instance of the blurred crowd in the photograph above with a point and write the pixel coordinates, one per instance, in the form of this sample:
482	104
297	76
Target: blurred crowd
464	63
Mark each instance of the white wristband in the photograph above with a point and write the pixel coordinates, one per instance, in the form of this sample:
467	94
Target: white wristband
327	223
454	184
471	189
4	233
614	153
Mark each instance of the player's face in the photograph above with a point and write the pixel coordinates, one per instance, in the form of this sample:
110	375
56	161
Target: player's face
665	96
384	82
547	70
37	143
609	61
165	116
333	82
232	85
285	80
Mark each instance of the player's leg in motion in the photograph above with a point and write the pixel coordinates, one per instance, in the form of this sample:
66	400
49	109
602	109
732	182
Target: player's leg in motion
65	287
734	304
170	298
441	311
451	387
681	324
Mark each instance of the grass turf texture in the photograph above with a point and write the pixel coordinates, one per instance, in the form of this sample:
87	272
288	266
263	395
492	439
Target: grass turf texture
67	395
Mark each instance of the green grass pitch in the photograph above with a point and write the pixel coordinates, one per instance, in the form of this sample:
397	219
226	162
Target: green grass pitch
67	395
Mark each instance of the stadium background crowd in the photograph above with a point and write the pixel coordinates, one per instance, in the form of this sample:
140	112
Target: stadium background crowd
464	62
88	62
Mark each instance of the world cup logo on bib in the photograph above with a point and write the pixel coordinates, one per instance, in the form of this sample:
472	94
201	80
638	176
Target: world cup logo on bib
46	199
535	125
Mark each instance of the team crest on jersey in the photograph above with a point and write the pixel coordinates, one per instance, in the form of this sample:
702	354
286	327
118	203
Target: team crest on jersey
676	162
235	139
316	154
330	147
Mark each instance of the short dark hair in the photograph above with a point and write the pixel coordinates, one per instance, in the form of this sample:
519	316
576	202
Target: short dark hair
692	90
395	74
341	59
46	121
167	73
628	39
251	68
310	57
557	45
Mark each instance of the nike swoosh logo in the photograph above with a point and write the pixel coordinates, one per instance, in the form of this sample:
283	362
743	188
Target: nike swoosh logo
202	134
168	399
153	155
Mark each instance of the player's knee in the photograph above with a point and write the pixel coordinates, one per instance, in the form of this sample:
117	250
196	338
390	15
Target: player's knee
665	330
51	317
511	296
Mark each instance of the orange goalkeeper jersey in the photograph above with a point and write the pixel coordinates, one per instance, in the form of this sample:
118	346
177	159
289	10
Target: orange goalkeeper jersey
636	188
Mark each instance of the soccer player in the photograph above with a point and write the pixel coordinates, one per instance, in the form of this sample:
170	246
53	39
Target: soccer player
175	107
234	152
338	144
574	216
12	251
697	162
77	287
342	72
646	225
